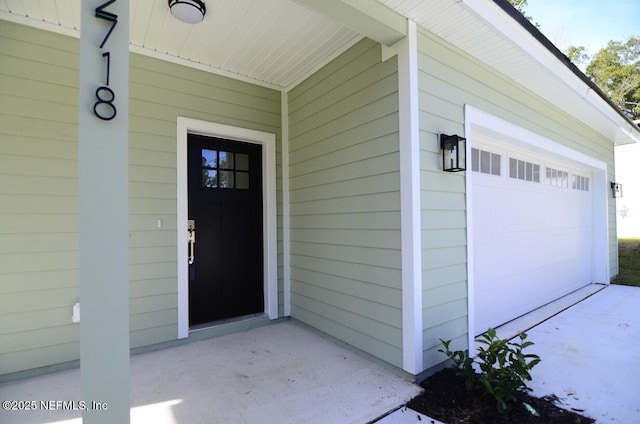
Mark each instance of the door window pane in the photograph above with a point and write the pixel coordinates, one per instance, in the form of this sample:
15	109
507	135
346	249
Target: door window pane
209	178
242	162
209	158
475	160
485	162
521	170
226	160
513	168
242	180
495	164
225	179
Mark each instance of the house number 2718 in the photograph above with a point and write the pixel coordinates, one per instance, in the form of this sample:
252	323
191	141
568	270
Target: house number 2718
104	107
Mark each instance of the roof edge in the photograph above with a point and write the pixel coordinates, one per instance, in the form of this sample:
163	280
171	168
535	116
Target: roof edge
542	39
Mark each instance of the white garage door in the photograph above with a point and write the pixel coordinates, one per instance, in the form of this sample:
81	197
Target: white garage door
532	232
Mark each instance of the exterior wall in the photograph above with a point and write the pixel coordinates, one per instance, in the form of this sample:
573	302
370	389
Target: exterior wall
449	79
39	188
628	173
38	197
345	200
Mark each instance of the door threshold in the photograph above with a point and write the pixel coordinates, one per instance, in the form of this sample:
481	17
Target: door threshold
228	326
218	323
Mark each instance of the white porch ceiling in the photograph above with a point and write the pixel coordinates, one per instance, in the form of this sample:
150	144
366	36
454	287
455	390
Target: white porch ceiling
278	43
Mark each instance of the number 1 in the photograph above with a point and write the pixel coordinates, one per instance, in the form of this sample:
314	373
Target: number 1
108	56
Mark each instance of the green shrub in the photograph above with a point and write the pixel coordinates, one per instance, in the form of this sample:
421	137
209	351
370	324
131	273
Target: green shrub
503	367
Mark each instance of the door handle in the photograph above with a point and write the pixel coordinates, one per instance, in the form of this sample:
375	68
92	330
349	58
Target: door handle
191	239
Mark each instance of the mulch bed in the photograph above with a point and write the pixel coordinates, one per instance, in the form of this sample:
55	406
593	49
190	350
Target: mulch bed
446	399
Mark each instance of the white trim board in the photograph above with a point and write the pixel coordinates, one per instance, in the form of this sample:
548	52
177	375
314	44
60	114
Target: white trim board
286	206
409	134
187	126
478	124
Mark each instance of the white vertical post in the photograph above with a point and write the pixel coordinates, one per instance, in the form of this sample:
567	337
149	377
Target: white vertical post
410	202
103	211
286	208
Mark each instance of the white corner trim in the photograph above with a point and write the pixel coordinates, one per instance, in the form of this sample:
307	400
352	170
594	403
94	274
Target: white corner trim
286	208
412	349
187	126
475	120
471	304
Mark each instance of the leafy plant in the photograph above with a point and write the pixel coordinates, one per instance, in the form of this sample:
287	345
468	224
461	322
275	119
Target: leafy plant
463	362
503	366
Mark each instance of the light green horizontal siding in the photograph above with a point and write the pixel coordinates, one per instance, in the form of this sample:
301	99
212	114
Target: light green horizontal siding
449	79
38	198
39	188
345	202
159	92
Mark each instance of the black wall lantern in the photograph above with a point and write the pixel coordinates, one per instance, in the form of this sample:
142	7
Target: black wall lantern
454	151
616	189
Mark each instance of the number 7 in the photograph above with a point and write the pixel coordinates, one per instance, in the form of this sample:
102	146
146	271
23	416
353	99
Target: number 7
107	16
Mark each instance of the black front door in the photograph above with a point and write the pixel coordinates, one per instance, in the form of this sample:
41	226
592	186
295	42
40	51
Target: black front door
225	207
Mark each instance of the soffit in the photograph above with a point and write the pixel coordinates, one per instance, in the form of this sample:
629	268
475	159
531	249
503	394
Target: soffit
486	32
276	43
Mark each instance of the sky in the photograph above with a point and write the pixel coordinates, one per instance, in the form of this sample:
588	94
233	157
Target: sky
590	23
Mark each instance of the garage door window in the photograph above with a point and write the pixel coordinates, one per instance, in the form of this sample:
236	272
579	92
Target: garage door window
485	162
557	178
580	183
523	170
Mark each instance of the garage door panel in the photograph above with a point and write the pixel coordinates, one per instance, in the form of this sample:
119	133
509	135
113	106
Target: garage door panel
512	296
531	244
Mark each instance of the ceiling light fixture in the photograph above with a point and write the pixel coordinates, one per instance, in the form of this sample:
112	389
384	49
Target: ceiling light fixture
188	11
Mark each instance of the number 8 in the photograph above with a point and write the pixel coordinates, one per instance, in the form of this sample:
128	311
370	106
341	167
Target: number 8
108	103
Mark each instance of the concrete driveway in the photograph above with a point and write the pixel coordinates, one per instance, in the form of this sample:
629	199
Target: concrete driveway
591	356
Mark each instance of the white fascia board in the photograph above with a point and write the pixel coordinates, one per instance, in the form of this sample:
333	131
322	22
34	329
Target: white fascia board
495	17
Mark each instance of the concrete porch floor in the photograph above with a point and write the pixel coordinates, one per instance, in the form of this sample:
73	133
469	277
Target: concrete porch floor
280	373
286	373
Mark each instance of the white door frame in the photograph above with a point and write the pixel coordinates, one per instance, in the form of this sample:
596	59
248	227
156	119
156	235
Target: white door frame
187	126
476	119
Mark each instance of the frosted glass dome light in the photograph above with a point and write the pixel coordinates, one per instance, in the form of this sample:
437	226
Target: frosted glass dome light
188	11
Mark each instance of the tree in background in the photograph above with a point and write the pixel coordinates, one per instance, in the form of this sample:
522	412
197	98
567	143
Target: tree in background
519	5
616	70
